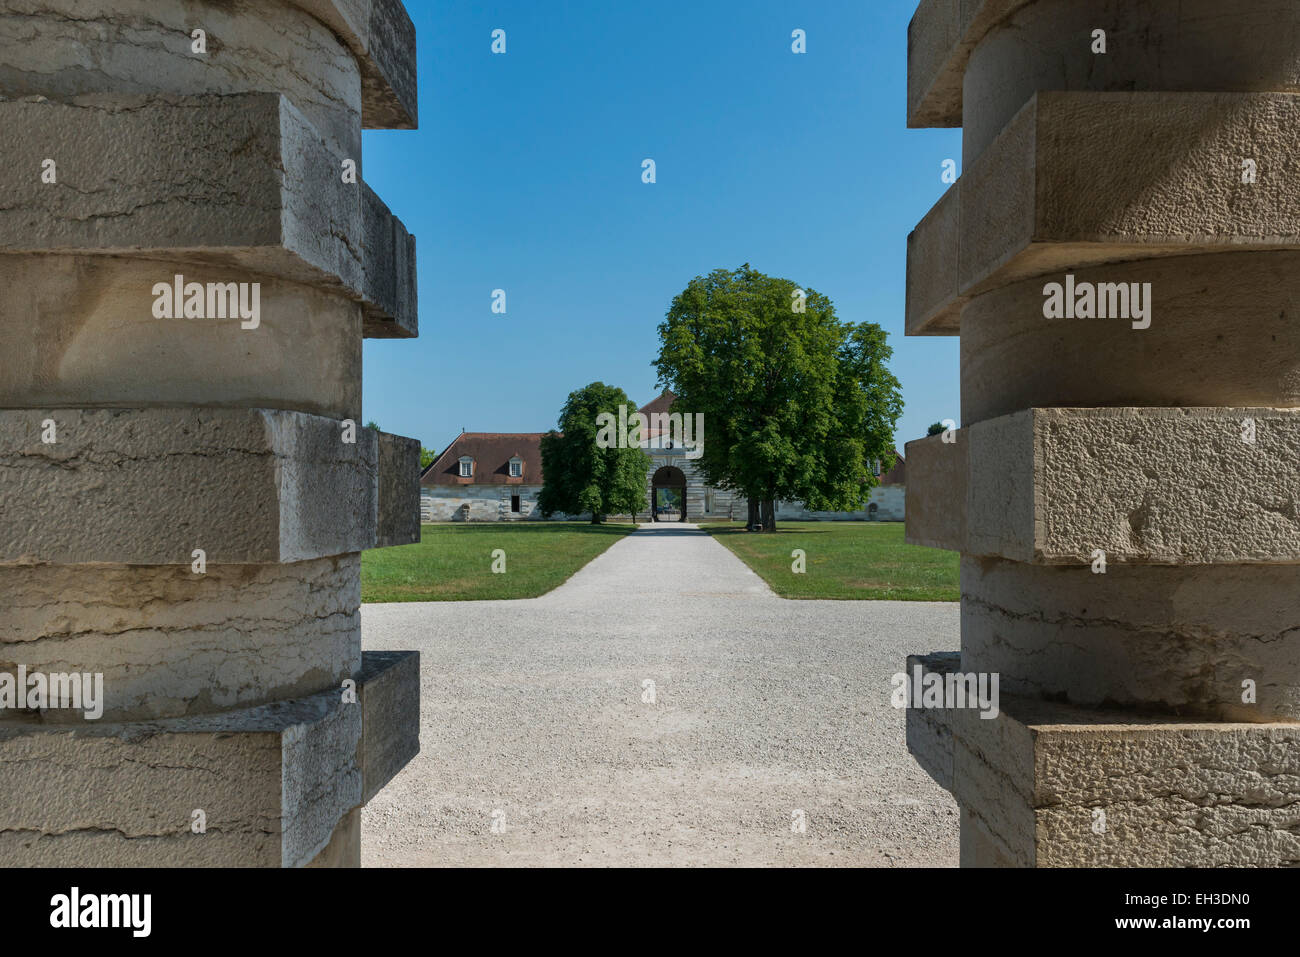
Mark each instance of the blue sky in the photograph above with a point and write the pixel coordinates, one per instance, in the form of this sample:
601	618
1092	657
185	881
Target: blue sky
525	175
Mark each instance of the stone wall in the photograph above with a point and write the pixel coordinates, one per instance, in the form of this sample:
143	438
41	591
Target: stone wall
482	503
890	502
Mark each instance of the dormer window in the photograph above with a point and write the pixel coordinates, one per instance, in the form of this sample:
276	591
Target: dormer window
466	467
516	467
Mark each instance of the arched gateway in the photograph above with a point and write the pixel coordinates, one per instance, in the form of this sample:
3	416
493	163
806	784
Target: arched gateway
668	495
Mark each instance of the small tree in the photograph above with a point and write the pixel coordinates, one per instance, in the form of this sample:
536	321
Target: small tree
578	475
426	457
935	429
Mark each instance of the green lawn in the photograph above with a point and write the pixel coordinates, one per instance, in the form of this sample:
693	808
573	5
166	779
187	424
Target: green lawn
845	560
454	562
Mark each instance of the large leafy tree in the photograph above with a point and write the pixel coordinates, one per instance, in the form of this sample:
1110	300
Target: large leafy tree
578	475
797	404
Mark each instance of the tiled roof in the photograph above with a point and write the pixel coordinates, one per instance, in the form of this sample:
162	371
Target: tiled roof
491	452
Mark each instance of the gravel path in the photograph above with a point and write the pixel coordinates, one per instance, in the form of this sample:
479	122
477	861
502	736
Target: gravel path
533	718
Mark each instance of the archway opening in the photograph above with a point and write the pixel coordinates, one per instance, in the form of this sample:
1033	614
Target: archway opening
668	495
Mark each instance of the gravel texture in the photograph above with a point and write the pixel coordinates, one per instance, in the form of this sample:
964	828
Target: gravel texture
533	720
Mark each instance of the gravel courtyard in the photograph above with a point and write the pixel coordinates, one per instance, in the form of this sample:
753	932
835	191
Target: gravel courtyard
539	748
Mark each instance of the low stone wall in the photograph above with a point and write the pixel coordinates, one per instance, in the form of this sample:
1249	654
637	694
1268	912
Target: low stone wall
888	499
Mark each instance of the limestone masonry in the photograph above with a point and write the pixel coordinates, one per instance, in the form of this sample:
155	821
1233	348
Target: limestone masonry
1119	259
189	262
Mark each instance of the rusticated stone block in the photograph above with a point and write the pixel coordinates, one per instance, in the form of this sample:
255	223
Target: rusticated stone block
1037	202
940	39
81	330
381	36
929	732
1052	785
1148	485
112	49
399	491
244	176
344	63
242	182
1012	358
391	300
273	783
974	63
148	486
169	642
933	259
344	848
389	691
1180	640
936	491
1189	46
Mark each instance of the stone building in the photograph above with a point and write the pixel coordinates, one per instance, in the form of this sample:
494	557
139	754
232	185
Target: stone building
484	477
496	477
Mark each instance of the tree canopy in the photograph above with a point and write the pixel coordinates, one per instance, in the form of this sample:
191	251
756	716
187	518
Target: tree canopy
797	404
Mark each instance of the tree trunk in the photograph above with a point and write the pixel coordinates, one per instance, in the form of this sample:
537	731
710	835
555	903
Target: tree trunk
769	515
753	524
595	519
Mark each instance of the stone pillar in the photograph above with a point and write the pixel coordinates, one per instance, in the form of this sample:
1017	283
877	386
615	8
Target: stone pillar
187	271
1125	490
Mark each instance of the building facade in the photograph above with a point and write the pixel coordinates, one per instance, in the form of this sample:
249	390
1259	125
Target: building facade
497	477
